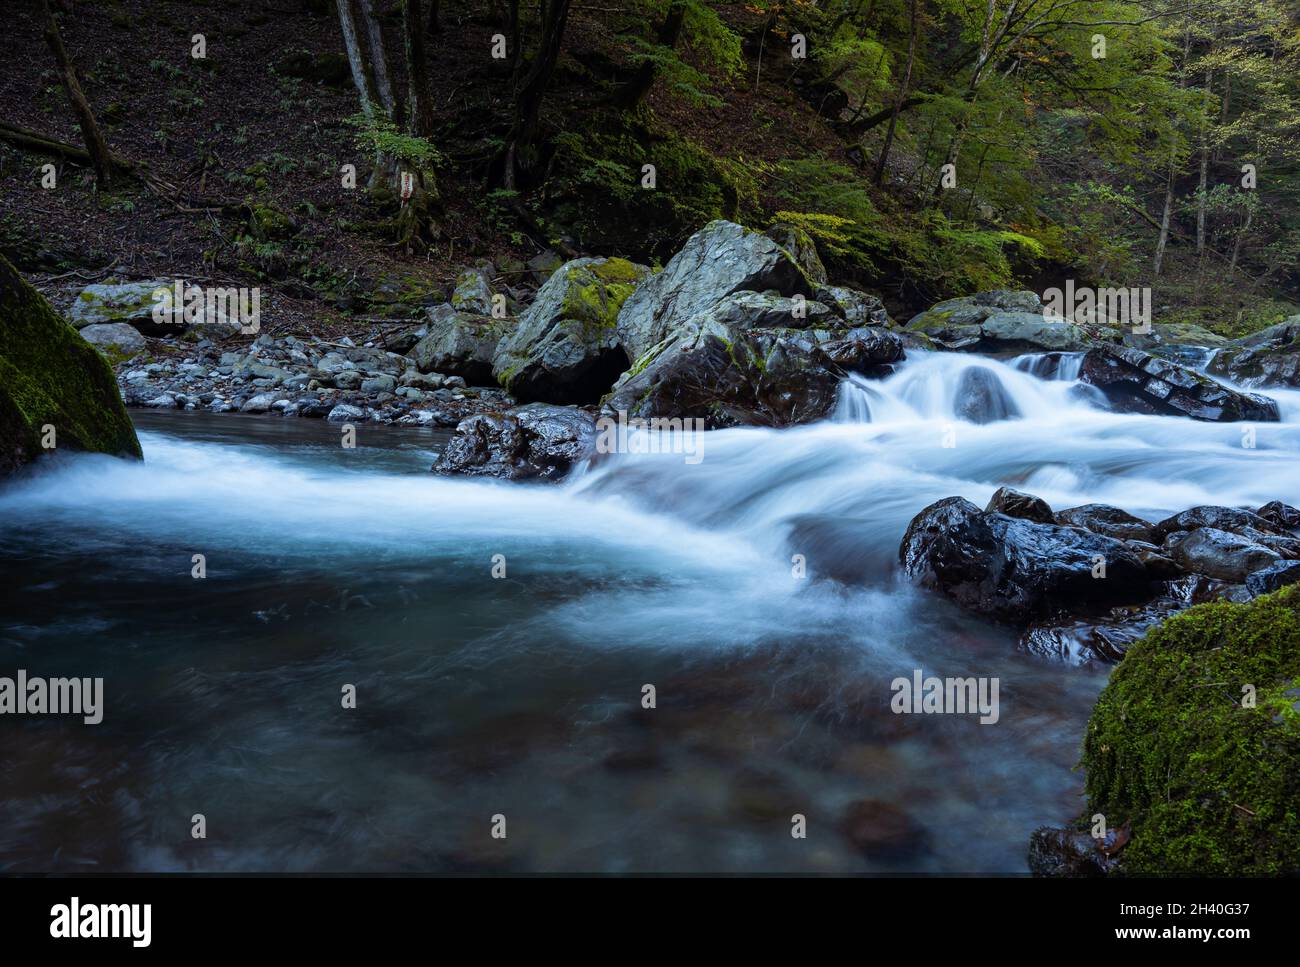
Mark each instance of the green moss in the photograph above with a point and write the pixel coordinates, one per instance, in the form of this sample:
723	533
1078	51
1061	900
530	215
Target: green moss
50	375
1210	786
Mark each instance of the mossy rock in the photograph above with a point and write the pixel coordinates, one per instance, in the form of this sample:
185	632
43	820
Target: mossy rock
49	375
1210	785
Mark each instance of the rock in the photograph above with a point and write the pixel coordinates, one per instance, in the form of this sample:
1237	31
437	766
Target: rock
259	404
533	442
1282	516
129	302
1015	570
49	376
801	248
1222	554
348	379
1065	852
473	292
1104	640
999	321
883	831
116	340
1015	503
566	348
345	413
728	376
1107	520
1231	519
1273	578
421	381
1268	358
378	384
716	261
543	265
1138	382
1207	786
771	310
1163	335
854	307
981	398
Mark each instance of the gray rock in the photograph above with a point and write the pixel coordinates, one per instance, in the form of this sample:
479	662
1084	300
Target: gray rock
459	344
1267	358
854	307
378	384
726	375
716	261
1223	555
533	442
345	413
566	348
980	397
999	321
259	404
1138	382
473	292
129	302
116	340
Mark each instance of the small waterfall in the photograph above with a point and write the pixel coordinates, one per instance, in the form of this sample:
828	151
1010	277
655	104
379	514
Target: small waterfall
961	387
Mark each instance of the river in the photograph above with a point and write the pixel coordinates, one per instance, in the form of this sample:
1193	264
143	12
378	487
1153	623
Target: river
520	695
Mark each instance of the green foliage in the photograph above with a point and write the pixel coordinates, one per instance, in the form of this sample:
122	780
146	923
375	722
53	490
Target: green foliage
378	134
1211	787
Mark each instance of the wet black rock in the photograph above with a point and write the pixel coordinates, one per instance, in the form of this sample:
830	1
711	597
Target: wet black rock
1274	577
1064	852
1222	554
1015	570
1017	503
534	442
1232	519
1282	516
1107	520
1138	382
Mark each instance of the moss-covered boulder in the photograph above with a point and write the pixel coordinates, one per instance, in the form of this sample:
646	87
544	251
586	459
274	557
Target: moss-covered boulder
1195	742
51	377
566	348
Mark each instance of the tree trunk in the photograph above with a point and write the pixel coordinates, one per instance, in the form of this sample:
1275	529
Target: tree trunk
101	158
420	122
669	32
1165	217
356	59
530	90
902	93
379	61
1205	170
433	25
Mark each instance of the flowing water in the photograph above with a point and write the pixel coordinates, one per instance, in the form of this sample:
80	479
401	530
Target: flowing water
521	695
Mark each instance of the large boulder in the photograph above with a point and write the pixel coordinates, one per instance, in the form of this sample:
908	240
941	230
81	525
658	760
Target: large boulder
1016	570
110	302
999	321
50	376
566	346
716	261
1138	382
533	442
728	374
1206	781
1232	519
980	397
1267	358
458	344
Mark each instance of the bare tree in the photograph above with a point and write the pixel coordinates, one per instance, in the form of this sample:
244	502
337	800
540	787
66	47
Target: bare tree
101	158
